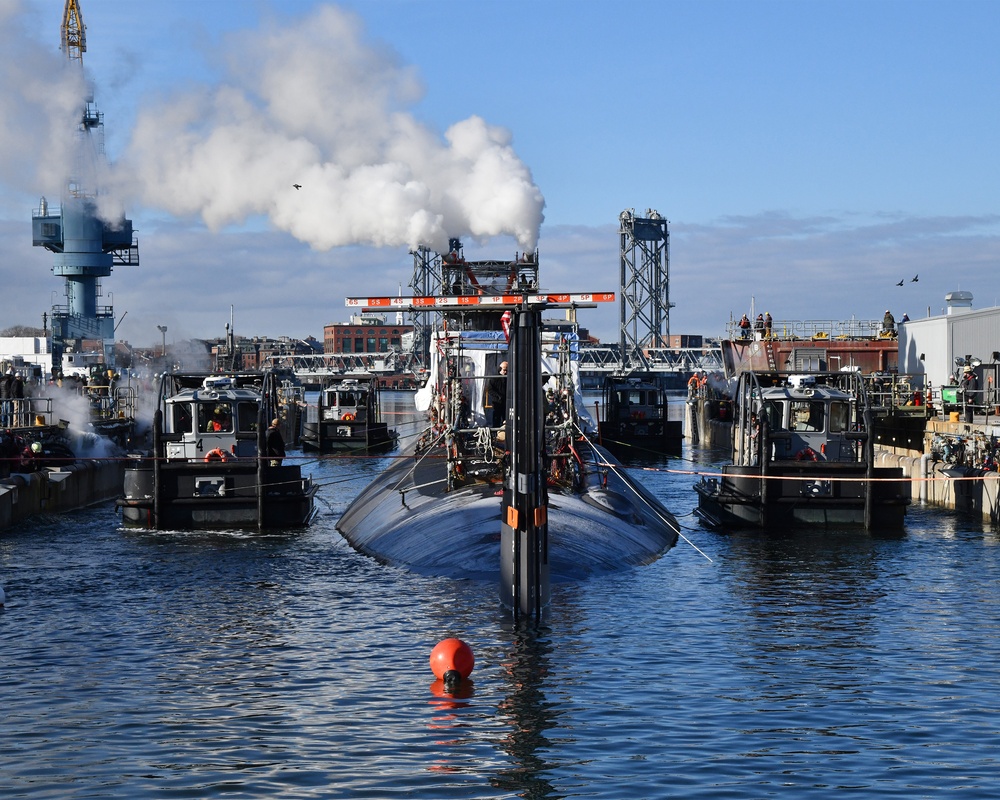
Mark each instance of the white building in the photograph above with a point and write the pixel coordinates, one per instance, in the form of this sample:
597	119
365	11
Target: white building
22	351
932	346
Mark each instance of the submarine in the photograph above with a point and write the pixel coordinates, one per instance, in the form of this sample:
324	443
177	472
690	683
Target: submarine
529	498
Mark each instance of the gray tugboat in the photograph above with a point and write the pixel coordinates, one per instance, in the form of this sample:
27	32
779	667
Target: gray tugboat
527	498
635	420
347	416
803	453
208	468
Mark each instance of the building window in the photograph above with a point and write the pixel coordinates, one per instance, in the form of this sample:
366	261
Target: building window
347	345
383	344
359	344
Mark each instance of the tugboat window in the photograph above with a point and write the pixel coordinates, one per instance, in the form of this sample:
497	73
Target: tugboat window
182	418
840	415
215	418
247	417
806	416
772	413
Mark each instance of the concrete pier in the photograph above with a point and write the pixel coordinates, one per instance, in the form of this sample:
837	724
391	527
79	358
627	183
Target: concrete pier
55	490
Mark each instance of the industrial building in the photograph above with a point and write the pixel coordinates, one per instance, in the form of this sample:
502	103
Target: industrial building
939	347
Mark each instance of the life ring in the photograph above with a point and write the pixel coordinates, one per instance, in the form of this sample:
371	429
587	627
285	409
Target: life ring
348	417
218	454
806	454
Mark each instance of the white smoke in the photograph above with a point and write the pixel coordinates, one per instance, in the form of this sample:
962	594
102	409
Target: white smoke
41	99
313	104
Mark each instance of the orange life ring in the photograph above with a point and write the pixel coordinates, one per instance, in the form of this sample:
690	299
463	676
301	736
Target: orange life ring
806	454
348	417
218	454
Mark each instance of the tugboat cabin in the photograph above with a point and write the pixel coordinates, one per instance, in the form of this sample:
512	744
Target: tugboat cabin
216	422
635	417
347	400
802	420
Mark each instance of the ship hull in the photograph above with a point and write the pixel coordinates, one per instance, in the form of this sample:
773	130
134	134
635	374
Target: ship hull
804	494
408	518
212	496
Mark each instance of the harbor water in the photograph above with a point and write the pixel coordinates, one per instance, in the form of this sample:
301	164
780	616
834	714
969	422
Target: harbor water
240	665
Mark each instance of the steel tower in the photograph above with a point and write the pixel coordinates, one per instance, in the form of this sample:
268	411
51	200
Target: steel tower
85	246
644	302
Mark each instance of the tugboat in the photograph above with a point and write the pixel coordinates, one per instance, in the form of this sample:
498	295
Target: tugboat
803	453
635	417
347	417
209	468
528	497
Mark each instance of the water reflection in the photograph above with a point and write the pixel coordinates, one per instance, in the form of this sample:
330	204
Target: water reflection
529	715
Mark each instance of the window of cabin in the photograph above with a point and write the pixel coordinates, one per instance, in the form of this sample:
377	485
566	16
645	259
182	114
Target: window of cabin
247	417
181	414
840	416
807	416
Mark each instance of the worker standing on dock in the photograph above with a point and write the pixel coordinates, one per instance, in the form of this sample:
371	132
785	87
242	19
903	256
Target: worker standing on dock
6	383
970	388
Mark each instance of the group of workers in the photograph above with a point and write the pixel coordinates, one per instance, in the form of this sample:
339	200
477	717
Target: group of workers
761	326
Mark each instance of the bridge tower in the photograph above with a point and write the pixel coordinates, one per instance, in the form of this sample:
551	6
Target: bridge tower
85	245
644	300
426	282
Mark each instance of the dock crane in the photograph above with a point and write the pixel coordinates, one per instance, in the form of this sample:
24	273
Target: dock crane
85	246
74	32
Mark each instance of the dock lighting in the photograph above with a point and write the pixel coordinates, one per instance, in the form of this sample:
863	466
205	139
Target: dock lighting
163	332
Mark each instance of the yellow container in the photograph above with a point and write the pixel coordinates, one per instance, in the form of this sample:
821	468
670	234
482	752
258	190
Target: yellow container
953	416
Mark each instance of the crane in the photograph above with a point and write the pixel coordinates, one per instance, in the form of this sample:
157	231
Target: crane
74	32
84	245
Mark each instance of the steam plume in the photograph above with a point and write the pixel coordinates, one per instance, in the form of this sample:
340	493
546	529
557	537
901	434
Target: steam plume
40	104
313	104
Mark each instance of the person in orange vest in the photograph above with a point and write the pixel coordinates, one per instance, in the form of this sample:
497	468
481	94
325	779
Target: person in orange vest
745	327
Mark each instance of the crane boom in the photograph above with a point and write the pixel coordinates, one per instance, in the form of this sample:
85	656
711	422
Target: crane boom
74	32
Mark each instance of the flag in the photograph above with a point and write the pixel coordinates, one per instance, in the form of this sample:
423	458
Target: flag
505	324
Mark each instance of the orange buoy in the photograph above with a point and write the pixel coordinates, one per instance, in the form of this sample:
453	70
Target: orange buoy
452	661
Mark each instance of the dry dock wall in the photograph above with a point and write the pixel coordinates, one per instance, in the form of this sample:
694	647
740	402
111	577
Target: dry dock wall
971	491
51	491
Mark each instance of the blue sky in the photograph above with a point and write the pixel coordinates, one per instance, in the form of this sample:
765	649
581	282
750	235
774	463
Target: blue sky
808	155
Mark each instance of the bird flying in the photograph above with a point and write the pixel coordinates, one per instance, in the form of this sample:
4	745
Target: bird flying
900	283
296	185
915	278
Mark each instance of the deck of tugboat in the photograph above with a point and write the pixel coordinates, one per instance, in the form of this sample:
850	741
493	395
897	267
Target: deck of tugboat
409	518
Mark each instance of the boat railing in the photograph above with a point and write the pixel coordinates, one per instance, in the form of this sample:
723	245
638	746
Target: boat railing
809	329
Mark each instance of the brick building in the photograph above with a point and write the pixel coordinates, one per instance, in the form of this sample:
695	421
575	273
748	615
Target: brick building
367	333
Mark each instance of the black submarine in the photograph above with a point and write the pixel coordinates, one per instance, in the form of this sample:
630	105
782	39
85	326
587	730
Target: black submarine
528	499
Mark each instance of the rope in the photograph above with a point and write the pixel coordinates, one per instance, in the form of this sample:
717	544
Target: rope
675	526
484	442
